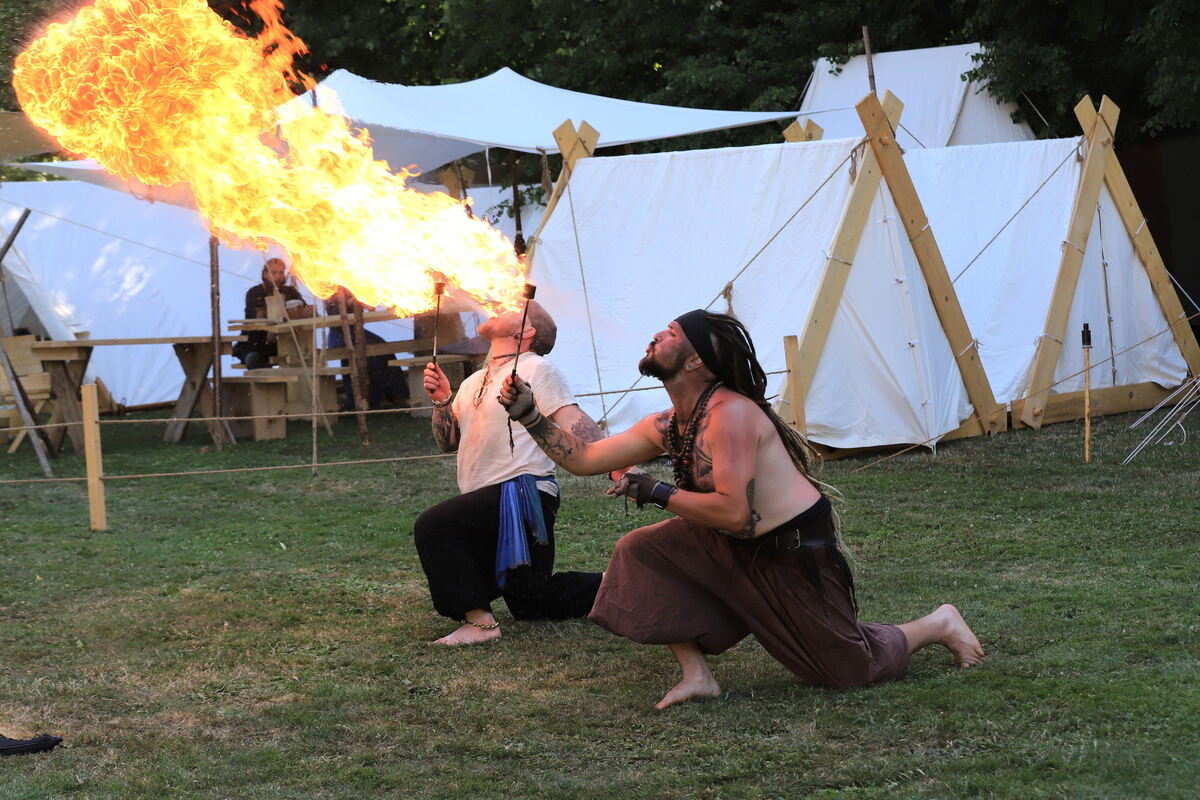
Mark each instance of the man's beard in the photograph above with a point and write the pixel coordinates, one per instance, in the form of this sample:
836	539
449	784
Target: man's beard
652	369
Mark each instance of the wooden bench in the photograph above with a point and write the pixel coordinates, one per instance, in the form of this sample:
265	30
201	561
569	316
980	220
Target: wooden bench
34	380
455	366
257	396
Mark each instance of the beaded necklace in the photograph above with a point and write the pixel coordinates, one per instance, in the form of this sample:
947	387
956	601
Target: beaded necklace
682	447
487	376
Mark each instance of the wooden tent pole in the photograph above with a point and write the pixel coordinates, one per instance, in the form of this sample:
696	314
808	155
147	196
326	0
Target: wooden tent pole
519	238
1099	145
808	132
220	428
870	63
1143	243
991	416
837	271
360	366
573	145
21	400
355	376
97	508
8	243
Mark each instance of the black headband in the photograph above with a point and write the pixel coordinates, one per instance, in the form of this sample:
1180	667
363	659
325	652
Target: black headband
695	328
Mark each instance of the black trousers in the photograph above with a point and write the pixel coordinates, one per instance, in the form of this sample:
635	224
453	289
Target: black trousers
456	541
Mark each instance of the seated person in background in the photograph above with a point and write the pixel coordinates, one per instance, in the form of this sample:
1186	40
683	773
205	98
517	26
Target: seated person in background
260	346
384	383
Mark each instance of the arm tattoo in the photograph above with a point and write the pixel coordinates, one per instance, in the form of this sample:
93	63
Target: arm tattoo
661	423
751	528
586	429
557	443
702	463
445	429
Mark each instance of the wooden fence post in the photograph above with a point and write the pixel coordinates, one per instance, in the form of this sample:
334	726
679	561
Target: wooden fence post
97	511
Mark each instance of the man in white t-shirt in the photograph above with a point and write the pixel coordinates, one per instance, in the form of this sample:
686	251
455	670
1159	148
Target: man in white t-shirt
496	539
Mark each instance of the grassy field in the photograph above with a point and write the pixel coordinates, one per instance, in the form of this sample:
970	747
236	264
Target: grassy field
265	635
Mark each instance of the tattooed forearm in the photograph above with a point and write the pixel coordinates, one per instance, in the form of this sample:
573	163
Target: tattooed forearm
445	429
586	429
557	443
750	530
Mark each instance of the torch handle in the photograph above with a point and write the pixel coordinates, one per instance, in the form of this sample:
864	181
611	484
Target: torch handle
437	323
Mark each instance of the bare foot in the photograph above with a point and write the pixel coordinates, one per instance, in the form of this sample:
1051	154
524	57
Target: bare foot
469	634
688	688
957	637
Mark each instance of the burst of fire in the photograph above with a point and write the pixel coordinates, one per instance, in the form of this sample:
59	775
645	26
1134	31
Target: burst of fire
167	91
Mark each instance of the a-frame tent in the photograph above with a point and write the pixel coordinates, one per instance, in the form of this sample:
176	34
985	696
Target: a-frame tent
910	321
1040	238
943	107
634	240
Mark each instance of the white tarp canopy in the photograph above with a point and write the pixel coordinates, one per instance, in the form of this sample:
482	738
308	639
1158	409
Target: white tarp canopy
486	200
887	374
940	108
432	125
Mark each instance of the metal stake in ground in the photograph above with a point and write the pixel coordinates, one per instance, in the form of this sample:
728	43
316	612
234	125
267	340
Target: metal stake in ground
530	291
1087	393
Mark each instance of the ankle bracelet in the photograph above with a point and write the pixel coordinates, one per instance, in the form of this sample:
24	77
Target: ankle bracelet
491	627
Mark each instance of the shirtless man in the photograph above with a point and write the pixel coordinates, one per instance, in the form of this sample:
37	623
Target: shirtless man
753	548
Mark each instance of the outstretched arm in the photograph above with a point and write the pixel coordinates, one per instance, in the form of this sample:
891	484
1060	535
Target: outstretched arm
573	418
574	450
725	456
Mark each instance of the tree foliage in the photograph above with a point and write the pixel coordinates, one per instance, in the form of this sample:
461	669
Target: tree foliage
757	54
747	54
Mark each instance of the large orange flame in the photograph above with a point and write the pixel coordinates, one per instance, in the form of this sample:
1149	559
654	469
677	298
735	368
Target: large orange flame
166	91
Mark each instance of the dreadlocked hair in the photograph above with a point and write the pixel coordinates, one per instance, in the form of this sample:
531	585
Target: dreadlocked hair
738	368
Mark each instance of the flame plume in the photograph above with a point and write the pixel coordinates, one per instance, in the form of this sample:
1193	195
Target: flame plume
166	91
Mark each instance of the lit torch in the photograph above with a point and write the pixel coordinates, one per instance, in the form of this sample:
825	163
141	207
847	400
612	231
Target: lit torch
530	291
439	289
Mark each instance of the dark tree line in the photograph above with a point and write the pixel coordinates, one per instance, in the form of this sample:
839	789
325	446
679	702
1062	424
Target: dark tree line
756	54
746	54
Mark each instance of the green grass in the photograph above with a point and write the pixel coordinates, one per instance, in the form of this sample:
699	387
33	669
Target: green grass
264	635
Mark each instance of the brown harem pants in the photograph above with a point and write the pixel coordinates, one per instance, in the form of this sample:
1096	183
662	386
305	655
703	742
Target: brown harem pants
675	582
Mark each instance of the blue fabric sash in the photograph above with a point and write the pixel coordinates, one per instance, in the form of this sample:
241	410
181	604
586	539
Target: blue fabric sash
520	515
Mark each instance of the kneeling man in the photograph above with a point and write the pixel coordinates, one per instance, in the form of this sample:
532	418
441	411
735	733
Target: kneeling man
496	539
753	549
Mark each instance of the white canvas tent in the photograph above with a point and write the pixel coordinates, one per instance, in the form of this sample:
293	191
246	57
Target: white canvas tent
940	107
90	259
774	230
696	220
432	125
102	261
1006	291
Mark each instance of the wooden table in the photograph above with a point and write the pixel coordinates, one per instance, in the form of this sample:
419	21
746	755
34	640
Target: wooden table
296	339
67	361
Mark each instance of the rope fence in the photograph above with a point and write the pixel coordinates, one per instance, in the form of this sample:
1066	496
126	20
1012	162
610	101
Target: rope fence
96	478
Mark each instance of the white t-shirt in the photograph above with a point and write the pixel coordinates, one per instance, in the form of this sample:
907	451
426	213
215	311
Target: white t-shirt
483	455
